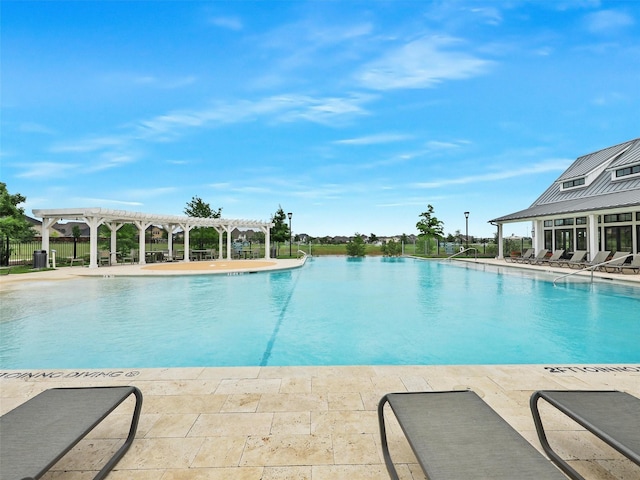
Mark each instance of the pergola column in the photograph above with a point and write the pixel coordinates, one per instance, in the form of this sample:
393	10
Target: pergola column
142	230
46	224
94	223
500	242
267	241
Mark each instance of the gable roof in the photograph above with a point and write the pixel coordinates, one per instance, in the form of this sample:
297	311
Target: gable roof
600	191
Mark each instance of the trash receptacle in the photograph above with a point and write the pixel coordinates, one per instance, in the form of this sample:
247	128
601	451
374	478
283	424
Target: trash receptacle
39	259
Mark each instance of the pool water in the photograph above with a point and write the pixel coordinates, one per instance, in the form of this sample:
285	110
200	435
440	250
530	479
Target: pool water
333	311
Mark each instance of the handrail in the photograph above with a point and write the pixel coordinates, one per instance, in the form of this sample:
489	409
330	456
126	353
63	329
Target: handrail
304	254
463	251
590	267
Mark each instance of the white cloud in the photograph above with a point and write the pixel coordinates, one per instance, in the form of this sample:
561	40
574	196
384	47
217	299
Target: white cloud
422	63
542	167
47	170
606	21
374	139
230	23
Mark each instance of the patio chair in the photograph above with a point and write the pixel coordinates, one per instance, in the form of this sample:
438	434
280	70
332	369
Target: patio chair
618	259
554	258
597	260
576	259
38	433
541	255
455	435
132	257
104	258
525	256
612	416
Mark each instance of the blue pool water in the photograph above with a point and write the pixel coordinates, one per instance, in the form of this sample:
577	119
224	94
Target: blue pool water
333	311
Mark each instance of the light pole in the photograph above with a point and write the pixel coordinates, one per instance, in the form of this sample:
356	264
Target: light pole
466	233
289	215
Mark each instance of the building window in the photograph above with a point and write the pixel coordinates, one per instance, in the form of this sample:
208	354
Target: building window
549	223
620	217
618	239
564	221
548	239
564	240
581	239
573	183
623	172
581	221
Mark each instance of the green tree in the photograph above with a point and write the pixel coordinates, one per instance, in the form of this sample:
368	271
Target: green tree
13	224
429	226
280	230
202	236
373	238
392	248
356	246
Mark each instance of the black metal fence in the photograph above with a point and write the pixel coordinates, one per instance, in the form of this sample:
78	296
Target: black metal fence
22	253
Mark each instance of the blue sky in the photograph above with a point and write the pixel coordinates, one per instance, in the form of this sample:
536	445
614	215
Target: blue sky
352	115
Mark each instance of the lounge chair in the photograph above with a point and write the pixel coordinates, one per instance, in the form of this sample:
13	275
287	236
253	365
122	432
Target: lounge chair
612	416
618	259
597	260
519	259
554	258
634	266
38	433
455	435
576	259
540	256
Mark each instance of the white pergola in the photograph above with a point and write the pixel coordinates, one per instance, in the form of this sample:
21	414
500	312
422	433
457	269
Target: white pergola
115	219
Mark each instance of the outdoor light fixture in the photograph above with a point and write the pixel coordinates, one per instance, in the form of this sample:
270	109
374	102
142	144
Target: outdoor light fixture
289	215
466	221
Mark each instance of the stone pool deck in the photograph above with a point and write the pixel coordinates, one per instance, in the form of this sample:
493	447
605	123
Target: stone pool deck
302	423
306	423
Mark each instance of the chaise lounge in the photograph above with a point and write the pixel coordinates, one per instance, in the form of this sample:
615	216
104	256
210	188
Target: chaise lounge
612	416
522	258
38	433
456	435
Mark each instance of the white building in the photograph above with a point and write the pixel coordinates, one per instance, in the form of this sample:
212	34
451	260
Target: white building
594	205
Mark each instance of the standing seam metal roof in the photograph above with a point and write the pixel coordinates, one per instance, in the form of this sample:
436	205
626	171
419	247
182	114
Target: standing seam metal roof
602	193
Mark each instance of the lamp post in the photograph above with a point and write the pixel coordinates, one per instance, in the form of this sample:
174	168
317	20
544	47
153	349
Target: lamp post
289	215
466	234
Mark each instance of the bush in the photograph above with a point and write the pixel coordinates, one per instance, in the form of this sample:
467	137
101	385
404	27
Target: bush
356	247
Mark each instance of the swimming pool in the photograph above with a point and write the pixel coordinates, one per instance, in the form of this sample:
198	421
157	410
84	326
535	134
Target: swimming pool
333	311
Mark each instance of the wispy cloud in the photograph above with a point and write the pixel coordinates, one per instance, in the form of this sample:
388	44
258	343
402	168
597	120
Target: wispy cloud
127	80
230	23
106	202
47	170
608	21
422	63
33	127
374	139
558	165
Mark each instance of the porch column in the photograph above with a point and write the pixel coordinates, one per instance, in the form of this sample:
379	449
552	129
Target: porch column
592	229
500	242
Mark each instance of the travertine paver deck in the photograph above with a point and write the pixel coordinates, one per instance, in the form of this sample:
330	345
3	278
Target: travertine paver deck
307	423
315	423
